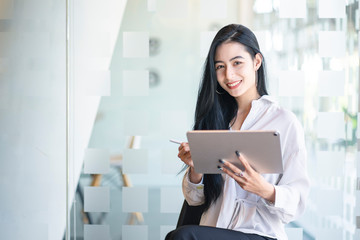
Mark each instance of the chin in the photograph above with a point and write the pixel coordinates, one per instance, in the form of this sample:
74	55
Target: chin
235	94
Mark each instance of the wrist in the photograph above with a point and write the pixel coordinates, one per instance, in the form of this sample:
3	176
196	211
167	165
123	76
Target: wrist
194	177
269	194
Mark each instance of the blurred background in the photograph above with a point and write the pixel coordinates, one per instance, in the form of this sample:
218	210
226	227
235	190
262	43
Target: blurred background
92	91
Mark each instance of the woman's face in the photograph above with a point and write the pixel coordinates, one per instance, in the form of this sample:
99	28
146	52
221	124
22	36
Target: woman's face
236	70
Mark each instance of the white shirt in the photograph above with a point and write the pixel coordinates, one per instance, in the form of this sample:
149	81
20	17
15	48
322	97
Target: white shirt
243	211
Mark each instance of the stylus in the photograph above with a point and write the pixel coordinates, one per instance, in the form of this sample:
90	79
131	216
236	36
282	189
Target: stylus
174	141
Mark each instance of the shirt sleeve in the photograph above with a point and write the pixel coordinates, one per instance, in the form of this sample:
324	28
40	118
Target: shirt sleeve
292	190
193	193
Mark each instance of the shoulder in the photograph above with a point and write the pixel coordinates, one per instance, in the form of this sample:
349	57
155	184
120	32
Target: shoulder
285	121
274	110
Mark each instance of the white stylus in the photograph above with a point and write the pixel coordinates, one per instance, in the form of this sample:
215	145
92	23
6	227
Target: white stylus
174	141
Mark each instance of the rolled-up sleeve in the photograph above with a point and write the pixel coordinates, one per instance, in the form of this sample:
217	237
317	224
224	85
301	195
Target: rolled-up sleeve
193	193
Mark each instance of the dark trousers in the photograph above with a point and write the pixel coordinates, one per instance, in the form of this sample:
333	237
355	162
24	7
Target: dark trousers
195	232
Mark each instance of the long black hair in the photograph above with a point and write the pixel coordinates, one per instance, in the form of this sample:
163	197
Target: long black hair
215	108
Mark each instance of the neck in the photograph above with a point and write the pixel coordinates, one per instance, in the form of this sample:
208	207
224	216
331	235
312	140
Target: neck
244	101
244	106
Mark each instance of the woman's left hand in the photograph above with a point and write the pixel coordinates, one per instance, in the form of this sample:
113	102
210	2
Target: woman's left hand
249	179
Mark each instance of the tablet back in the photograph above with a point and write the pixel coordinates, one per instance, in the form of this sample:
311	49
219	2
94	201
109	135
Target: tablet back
262	149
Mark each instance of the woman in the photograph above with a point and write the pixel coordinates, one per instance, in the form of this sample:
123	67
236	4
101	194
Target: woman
243	204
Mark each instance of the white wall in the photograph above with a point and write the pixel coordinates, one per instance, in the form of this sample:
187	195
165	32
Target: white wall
32	119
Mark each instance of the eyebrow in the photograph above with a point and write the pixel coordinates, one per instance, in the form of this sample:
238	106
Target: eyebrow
230	59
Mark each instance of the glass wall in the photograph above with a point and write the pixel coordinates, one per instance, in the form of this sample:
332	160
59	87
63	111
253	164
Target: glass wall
101	143
314	69
136	67
136	71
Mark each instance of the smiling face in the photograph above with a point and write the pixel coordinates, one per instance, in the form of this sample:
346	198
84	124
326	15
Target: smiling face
236	70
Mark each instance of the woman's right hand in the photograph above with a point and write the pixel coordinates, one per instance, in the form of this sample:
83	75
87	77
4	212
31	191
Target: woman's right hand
185	156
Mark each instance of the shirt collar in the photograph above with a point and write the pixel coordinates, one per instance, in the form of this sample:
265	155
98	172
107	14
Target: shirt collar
263	100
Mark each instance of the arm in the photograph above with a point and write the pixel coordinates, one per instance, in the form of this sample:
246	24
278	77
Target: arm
292	190
193	192
286	199
185	156
193	188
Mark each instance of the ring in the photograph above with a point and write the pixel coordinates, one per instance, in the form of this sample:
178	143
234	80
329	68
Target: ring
240	174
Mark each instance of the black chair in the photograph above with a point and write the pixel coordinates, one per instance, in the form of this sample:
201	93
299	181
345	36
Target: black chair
190	215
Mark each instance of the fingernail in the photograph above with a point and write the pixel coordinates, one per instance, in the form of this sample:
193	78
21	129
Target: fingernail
220	168
221	161
237	153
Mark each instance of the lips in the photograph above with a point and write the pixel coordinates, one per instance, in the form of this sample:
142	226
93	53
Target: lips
233	85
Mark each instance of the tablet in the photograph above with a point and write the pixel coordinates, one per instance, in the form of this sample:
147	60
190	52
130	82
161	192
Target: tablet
262	149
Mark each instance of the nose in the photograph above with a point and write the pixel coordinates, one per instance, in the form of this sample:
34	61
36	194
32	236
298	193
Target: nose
230	74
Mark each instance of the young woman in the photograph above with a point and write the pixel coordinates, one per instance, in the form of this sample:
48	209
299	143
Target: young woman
243	204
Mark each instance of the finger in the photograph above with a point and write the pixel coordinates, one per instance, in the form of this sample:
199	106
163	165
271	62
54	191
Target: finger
239	174
182	153
235	176
184	146
188	161
184	156
243	161
184	149
230	166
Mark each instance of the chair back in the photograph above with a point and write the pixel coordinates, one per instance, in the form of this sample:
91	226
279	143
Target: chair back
190	215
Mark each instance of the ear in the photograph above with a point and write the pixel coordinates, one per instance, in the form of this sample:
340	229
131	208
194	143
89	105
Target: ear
257	61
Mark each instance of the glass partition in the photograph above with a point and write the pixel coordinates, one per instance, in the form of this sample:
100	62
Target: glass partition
314	54
135	72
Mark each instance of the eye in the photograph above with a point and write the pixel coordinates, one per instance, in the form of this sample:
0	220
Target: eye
237	63
218	67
